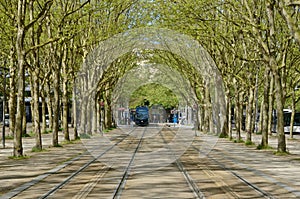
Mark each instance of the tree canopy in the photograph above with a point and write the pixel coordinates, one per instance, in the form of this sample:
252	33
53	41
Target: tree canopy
254	44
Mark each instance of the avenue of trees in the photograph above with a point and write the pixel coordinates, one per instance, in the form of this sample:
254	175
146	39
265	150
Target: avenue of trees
255	45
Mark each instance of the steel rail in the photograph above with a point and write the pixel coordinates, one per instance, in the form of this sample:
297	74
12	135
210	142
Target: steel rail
118	191
249	184
65	181
190	181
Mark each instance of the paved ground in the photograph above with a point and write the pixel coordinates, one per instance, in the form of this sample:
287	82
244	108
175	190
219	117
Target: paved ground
14	173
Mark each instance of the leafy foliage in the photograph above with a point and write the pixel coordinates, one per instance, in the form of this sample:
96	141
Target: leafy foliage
155	94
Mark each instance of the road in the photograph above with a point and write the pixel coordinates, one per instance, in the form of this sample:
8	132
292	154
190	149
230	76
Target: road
152	162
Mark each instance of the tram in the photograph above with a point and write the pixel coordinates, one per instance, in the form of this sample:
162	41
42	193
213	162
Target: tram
287	122
141	116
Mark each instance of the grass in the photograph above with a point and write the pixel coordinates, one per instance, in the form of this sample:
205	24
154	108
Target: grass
9	137
249	143
223	135
261	147
238	141
27	135
85	136
281	153
19	157
58	145
35	149
47	131
108	129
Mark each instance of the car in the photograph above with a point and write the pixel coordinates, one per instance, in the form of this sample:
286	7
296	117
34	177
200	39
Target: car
6	120
47	120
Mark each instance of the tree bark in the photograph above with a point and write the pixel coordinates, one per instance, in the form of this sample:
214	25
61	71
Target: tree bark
35	85
280	122
292	114
12	94
56	111
36	113
44	126
271	104
65	96
264	138
74	108
249	121
229	117
18	147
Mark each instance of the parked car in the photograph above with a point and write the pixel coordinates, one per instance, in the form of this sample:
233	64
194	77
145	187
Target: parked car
6	120
47	120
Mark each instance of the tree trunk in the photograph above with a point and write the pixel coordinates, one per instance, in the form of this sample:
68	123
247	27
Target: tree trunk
65	96
229	116
293	114
249	120
280	122
49	108
95	116
12	96
35	85
207	109
18	148
261	117
56	111
108	115
74	108
264	138
271	103
44	126
24	122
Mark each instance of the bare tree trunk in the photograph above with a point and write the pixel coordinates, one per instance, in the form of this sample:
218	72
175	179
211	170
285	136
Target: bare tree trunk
271	103
226	127
44	126
18	147
35	85
95	116
264	138
36	113
280	122
108	115
12	97
49	107
261	116
278	73
230	118
240	115
65	96
74	104
24	125
249	117
207	109
56	111
293	114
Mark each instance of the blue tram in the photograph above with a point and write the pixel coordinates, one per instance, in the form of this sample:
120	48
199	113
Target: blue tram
141	116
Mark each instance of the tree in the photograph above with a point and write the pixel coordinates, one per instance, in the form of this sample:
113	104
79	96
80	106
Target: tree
22	30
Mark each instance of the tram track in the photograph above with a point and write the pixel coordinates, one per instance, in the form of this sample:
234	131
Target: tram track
186	176
121	185
227	189
240	169
59	169
190	181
